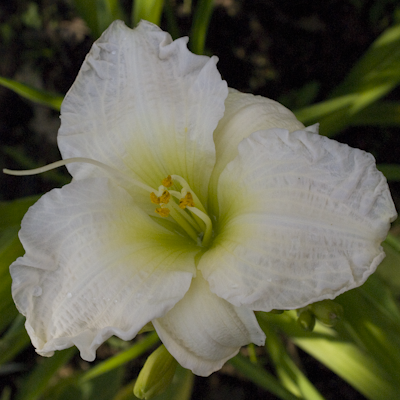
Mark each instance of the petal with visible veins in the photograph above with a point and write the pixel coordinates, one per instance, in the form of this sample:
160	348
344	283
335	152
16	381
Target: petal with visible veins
95	265
301	220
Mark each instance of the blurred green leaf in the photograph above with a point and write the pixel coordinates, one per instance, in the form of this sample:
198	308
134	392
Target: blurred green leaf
87	9
384	113
100	388
10	250
261	377
14	340
37	95
393	241
172	23
201	20
6	393
391	171
11	212
150	10
373	322
107	12
316	112
375	75
288	372
340	355
133	352
31	17
98	14
38	380
364	349
302	97
388	270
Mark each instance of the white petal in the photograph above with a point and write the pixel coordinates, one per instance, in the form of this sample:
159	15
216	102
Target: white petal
95	266
203	331
302	219
144	105
245	114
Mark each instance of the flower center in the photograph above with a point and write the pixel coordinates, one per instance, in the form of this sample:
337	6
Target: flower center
184	207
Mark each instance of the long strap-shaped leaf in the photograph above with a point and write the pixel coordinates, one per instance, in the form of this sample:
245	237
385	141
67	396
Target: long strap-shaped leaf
376	74
37	95
364	348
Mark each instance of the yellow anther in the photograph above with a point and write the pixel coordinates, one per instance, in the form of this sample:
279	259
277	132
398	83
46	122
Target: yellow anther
167	182
186	201
164	198
163	212
154	199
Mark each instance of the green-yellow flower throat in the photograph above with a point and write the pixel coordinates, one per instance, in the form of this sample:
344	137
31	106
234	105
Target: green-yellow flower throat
196	223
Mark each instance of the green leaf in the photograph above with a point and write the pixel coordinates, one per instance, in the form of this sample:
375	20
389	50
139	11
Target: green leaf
391	171
98	14
261	377
388	270
373	322
39	379
11	212
150	10
201	20
288	372
341	355
14	340
376	73
383	113
10	250
37	95
172	23
107	12
133	352
87	9
374	76
314	113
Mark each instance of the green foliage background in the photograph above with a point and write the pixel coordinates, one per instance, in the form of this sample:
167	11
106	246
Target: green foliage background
362	108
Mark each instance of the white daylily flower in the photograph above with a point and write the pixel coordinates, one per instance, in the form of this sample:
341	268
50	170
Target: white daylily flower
273	220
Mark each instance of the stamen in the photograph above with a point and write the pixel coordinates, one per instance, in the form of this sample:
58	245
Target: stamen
186	201
176	215
154	199
164	198
167	182
206	219
194	223
60	163
186	187
163	212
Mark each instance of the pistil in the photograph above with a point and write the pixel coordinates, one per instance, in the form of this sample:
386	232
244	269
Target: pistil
196	223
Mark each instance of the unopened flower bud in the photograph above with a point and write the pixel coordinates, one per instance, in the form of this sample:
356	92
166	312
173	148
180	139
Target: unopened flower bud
156	374
327	311
306	319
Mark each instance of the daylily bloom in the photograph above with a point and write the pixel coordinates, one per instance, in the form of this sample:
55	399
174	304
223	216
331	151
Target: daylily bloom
191	206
